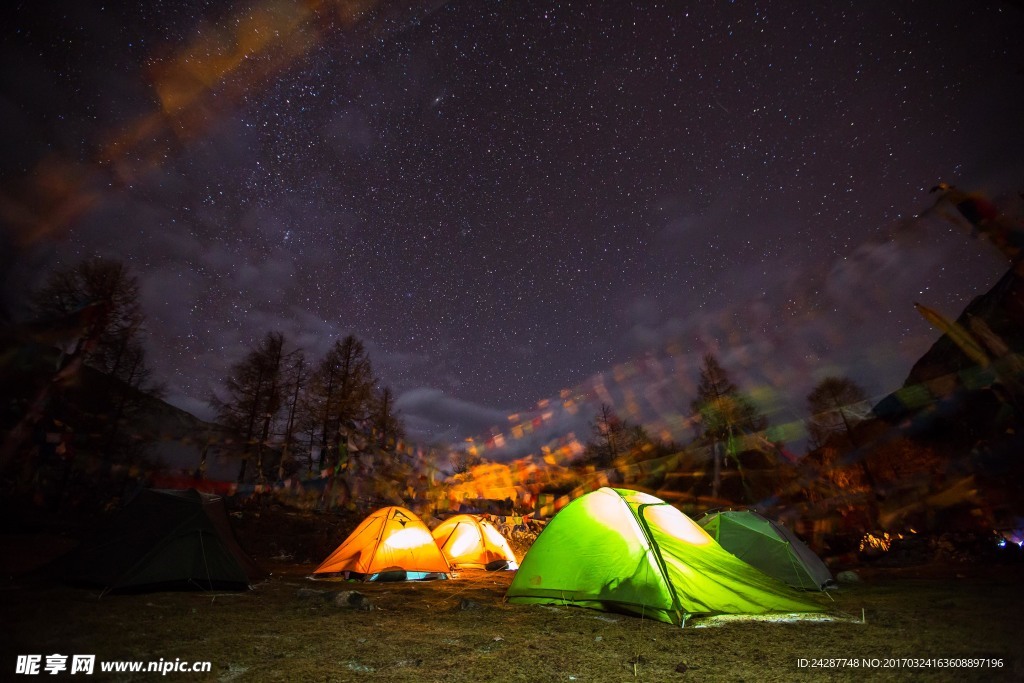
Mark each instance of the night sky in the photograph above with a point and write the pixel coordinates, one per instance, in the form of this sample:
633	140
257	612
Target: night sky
515	203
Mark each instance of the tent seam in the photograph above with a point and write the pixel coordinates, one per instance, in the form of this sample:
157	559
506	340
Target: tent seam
656	549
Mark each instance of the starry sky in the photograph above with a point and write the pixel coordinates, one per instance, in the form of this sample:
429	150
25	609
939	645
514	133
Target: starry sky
517	205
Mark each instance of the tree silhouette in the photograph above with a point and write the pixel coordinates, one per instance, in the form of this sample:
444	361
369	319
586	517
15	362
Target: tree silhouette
609	438
724	413
386	425
90	312
296	378
613	439
255	393
341	390
107	287
836	405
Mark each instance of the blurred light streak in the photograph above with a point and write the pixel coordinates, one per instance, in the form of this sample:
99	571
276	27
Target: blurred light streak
196	85
956	333
51	198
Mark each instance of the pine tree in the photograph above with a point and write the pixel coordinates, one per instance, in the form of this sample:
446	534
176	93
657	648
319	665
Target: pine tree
341	389
386	425
255	390
297	377
610	435
725	415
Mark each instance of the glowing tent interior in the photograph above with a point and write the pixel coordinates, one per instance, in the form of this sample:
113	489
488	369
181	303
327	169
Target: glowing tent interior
390	544
468	541
621	550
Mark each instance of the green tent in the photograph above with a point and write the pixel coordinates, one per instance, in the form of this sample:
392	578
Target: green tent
163	540
770	547
615	549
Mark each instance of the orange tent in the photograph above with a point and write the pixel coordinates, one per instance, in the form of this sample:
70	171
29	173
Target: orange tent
391	544
471	542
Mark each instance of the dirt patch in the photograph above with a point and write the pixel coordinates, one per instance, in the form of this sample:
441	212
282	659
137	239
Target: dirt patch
289	628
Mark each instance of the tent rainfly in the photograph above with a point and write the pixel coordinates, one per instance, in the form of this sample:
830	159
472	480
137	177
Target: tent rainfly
392	544
769	546
163	540
471	542
622	550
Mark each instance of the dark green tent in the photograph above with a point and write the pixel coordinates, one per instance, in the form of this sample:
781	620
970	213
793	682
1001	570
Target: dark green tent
615	549
163	540
769	546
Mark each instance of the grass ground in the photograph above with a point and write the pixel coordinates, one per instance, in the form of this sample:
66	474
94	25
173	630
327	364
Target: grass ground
290	629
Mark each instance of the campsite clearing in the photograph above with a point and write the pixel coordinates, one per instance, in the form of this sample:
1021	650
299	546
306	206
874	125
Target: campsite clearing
462	630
